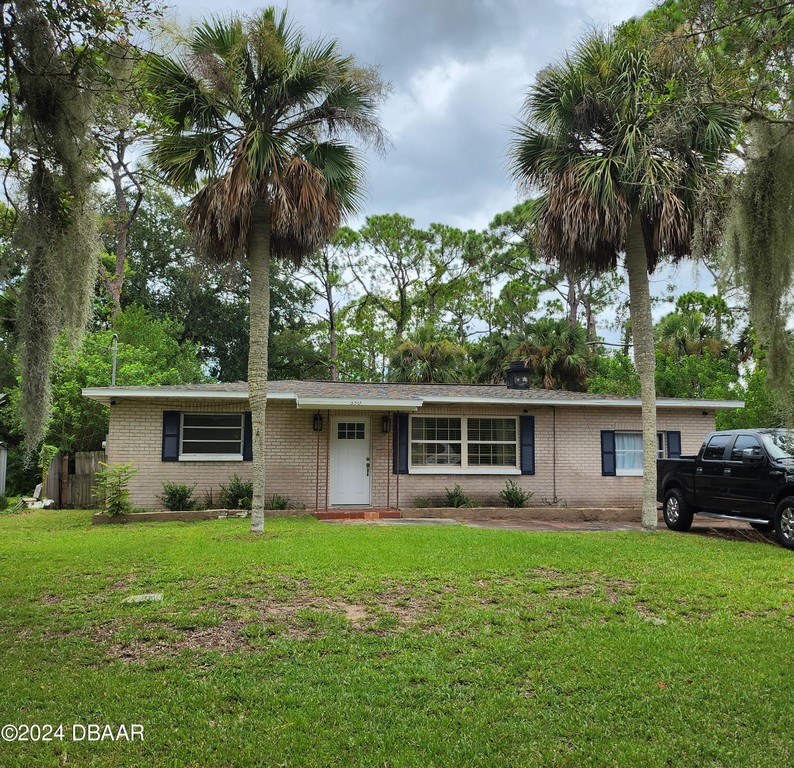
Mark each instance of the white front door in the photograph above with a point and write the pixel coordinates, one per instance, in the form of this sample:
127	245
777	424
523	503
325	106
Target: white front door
350	461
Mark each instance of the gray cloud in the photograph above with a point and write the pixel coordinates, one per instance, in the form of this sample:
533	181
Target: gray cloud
459	71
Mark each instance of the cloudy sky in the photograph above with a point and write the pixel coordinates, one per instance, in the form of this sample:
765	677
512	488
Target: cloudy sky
458	70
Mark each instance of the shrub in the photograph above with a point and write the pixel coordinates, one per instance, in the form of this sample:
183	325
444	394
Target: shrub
456	498
276	501
513	495
3	503
422	502
238	494
178	497
111	487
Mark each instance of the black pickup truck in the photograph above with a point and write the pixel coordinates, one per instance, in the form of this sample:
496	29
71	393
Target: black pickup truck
745	474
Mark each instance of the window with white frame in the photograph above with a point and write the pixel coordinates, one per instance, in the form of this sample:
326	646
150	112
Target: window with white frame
211	435
628	451
460	443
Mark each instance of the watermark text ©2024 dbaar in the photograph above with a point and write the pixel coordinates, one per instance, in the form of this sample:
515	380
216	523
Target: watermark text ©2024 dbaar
72	732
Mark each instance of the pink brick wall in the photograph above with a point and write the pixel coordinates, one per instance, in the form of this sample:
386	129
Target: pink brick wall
293	468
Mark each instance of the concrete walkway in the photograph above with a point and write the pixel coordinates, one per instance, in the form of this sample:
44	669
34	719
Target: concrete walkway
726	529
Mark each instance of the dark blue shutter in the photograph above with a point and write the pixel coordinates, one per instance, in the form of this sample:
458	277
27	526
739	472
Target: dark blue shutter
170	436
400	438
607	452
248	451
673	445
527	445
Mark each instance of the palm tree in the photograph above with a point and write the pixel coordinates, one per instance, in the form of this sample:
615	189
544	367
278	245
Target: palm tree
256	118
430	356
622	148
555	353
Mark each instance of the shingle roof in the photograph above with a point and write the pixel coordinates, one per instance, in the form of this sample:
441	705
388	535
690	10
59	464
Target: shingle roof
347	393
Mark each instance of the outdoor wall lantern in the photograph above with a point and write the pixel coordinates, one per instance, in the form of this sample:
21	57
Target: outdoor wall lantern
317	423
385	423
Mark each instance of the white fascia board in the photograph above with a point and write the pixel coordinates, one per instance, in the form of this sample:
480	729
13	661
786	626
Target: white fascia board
106	394
632	403
363	404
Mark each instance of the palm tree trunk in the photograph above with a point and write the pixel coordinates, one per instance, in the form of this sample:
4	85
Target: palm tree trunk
259	327
645	362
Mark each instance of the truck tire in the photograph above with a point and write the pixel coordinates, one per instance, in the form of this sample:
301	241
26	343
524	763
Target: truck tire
784	522
677	513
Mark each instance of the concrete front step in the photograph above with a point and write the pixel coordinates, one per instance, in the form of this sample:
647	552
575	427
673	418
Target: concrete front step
357	514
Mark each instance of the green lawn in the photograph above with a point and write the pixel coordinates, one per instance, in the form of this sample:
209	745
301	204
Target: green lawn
342	645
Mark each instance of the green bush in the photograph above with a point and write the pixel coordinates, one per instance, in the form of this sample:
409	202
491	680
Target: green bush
238	494
513	495
3	503
276	501
178	497
456	498
422	502
111	487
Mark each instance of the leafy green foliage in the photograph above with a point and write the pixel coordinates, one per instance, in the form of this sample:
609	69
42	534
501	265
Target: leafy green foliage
237	494
149	353
456	497
112	487
614	375
178	497
279	502
513	495
555	353
428	356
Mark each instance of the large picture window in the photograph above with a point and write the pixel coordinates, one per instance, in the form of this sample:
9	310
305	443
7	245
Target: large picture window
211	435
460	443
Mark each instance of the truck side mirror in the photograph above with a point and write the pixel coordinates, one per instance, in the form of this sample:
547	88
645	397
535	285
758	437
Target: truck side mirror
752	456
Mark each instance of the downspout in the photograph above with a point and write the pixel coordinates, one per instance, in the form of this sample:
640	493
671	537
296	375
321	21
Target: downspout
397	481
317	479
554	454
327	455
115	344
388	468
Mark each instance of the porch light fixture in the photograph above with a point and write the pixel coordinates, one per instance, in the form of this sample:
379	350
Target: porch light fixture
317	423
385	424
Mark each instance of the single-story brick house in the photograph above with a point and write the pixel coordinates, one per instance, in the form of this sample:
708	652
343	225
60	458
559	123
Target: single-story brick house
349	444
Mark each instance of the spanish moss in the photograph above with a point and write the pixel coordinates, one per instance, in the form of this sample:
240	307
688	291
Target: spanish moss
761	242
57	228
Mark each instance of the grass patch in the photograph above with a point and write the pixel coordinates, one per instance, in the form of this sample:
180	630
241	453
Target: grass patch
320	644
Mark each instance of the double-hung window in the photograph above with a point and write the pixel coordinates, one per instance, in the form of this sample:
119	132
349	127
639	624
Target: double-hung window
211	436
628	451
464	443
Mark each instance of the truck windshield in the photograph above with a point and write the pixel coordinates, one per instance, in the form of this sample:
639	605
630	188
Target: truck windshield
779	444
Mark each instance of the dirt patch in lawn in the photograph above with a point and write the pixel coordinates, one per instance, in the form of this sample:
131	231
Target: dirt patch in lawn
231	623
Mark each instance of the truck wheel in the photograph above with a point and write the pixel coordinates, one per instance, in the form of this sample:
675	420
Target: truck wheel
677	513
784	522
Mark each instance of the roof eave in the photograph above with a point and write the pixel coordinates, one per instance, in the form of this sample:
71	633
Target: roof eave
360	404
718	405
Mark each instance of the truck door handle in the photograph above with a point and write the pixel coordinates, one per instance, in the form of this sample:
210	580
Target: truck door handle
726	471
699	470
775	473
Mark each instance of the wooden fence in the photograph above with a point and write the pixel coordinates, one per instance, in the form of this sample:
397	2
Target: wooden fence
71	479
